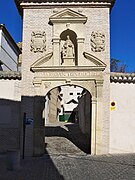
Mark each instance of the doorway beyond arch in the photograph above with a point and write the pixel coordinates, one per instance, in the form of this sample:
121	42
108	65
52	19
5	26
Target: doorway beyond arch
72	121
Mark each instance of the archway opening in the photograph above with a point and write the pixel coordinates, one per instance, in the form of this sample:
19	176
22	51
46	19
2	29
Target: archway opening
68	120
73	37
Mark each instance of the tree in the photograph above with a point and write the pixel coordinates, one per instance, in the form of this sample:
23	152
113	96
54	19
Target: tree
117	66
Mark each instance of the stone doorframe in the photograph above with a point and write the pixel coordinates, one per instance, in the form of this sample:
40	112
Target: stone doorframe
85	77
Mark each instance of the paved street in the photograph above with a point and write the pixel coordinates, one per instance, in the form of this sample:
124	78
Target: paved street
66	138
66	159
72	167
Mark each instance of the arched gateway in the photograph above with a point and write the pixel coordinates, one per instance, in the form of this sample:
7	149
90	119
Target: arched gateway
66	45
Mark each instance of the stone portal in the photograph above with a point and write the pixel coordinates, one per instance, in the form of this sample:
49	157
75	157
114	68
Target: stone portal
73	50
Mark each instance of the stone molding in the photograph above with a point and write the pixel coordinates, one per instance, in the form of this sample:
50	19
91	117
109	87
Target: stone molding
41	61
122	77
67	16
67	68
65	75
34	3
40	65
94	59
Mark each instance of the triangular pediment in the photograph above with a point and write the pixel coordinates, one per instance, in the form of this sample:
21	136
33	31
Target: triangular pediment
94	61
41	62
67	15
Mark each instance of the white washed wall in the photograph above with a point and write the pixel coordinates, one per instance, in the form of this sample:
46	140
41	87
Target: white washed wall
122	124
10	89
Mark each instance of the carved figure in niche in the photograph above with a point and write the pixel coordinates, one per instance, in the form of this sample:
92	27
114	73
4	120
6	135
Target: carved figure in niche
97	42
38	41
68	50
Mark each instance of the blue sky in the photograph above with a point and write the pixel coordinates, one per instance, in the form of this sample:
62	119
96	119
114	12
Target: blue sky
122	28
123	32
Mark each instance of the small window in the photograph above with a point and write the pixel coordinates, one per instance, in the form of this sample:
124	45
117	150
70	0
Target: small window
78	93
71	93
61	95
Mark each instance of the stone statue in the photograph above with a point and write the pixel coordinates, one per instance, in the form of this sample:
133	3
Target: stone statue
68	50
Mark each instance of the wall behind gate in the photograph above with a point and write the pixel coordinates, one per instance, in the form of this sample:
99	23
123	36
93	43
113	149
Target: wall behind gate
122	124
9	115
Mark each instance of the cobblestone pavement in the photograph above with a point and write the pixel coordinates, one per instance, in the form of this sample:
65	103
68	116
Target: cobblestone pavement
66	159
66	138
72	167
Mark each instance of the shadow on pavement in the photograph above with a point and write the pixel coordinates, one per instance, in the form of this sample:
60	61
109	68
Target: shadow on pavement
73	134
32	168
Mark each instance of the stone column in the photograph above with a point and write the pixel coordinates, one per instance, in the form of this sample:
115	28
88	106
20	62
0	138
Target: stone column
56	51
80	50
93	126
99	118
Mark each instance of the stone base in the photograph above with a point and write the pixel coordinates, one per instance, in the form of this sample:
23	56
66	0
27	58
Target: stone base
68	62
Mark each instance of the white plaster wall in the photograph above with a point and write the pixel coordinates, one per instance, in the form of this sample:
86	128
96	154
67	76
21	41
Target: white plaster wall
69	107
8	55
10	90
66	90
122	124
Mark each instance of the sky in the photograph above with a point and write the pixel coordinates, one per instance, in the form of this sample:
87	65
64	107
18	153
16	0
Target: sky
122	28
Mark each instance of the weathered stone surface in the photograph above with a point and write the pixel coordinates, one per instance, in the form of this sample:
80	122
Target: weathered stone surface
43	72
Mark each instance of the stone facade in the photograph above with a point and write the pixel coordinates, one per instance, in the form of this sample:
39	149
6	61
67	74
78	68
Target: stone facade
89	70
46	29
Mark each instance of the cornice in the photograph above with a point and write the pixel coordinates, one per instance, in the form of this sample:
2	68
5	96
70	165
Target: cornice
34	3
66	68
122	77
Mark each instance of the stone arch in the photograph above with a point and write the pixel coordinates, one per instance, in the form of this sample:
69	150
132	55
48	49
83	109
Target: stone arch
88	85
73	38
83	114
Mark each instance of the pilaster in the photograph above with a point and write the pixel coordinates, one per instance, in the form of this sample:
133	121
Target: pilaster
80	44
93	125
56	51
99	118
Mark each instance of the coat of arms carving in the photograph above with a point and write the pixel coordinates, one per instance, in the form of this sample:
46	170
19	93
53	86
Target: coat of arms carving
97	41
38	41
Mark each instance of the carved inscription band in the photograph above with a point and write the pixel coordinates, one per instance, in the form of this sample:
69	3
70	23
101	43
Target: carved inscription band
67	74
